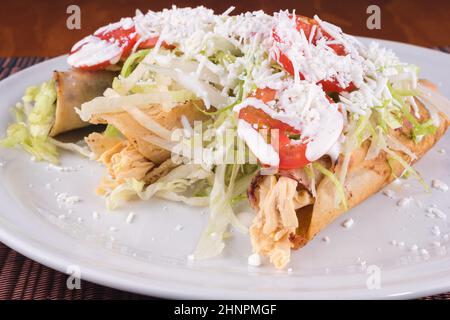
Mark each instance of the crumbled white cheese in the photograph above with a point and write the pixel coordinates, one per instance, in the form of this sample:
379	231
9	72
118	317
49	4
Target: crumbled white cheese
61	217
348	223
178	227
414	247
434	212
439	185
72	200
95	215
64	198
191	257
80	219
48	186
436	244
393	242
254	260
130	217
113	229
424	252
436	231
404	202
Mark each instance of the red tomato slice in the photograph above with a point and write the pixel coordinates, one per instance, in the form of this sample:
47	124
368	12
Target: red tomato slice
333	86
125	38
292	155
151	42
266	94
306	24
258	118
114	43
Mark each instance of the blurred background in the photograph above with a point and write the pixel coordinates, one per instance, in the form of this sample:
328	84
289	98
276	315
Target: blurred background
38	28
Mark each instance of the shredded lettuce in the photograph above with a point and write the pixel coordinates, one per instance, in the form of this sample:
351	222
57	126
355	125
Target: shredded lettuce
419	130
174	186
309	169
339	187
42	116
132	61
211	242
31	129
408	168
112	132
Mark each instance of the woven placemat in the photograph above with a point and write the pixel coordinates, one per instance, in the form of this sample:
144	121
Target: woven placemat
23	278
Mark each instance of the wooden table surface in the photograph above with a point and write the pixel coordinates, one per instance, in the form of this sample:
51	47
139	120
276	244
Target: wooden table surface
38	27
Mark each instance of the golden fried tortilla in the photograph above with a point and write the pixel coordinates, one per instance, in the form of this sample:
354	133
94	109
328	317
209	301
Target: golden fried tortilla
73	88
136	133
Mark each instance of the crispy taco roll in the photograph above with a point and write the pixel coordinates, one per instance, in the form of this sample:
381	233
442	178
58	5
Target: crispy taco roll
134	126
133	156
73	88
292	208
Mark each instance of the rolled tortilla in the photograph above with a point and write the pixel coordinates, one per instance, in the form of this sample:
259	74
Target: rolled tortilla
73	88
134	156
280	199
140	136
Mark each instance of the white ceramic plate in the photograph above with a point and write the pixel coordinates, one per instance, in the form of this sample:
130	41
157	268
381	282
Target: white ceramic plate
148	256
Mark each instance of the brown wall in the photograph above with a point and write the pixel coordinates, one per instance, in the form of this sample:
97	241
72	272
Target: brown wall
38	28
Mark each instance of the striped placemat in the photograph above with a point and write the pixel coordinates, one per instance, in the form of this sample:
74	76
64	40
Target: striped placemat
23	278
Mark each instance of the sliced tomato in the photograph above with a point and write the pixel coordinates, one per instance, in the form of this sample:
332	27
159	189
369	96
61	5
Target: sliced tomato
261	120
125	38
113	44
333	86
266	94
109	45
291	153
151	42
306	24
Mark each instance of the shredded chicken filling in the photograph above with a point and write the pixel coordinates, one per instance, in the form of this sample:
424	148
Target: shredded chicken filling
121	159
276	221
